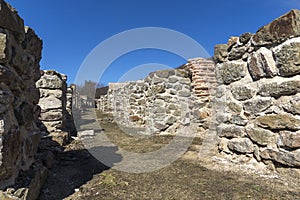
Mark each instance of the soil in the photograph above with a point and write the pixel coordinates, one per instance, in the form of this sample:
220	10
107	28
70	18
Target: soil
77	175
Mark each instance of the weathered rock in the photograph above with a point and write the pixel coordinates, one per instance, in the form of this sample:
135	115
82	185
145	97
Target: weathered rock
245	37
257	105
234	107
11	21
242	93
291	104
164	73
221	52
287	57
289	139
276	90
232	41
237	52
241	145
284	157
279	30
51	115
229	72
19	135
230	131
260	136
50	82
279	122
5	49
50	103
261	64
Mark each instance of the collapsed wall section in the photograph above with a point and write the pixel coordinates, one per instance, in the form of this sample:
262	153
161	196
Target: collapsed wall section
259	77
20	54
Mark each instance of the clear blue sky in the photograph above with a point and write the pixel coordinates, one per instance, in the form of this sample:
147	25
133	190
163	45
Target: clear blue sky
70	29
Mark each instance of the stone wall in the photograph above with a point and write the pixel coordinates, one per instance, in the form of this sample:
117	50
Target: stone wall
162	103
53	103
259	77
20	54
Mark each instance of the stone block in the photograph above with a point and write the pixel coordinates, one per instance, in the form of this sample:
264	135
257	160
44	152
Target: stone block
261	136
261	64
278	122
231	71
241	145
287	56
281	29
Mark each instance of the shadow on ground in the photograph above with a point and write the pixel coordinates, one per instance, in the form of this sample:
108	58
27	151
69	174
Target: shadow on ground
73	169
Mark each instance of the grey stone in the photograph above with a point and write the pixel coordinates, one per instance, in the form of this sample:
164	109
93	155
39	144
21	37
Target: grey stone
51	115
279	30
289	139
230	131
261	136
229	72
237	52
185	81
220	53
164	73
282	156
11	21
183	73
261	64
241	145
49	103
50	82
184	93
276	90
242	93
258	105
279	122
245	37
287	57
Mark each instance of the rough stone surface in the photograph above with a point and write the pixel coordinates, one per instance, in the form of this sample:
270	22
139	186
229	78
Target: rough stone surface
230	131
242	92
278	89
289	139
19	70
241	145
53	100
261	64
279	122
287	57
279	30
260	136
229	72
263	99
288	158
221	52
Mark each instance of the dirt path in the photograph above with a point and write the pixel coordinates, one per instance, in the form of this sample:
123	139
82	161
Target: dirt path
77	175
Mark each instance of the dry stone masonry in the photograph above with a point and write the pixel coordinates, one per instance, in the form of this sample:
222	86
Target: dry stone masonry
259	77
162	103
53	103
20	54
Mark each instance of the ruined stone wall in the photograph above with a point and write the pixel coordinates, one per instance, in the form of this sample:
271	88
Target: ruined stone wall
20	54
53	103
259	93
162	103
